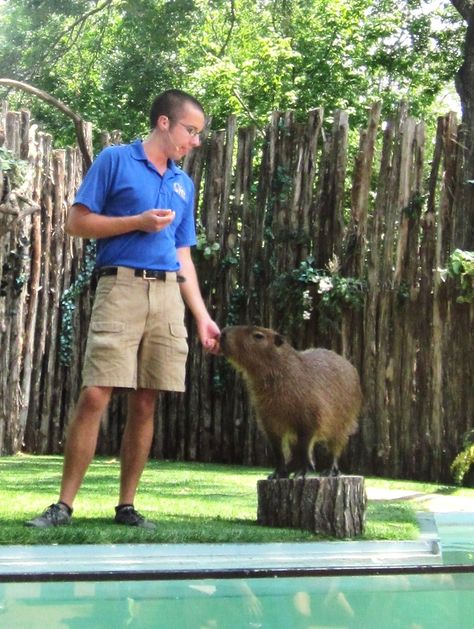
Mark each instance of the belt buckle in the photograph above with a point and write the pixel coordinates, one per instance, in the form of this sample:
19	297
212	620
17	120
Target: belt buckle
146	277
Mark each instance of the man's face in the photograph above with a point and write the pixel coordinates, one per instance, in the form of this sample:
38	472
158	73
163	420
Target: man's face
183	131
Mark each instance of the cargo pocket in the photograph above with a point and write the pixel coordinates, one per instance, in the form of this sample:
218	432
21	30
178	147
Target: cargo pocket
103	332
179	335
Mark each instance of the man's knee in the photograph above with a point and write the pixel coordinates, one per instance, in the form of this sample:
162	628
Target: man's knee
143	402
93	400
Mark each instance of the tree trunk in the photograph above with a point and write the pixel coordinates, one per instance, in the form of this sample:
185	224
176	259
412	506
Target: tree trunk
332	506
463	229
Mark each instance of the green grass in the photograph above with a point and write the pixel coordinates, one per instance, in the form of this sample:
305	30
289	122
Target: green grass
190	502
421	487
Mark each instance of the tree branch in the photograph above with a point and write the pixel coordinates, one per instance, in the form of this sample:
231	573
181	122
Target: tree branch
465	8
51	100
82	19
231	28
247	110
12	210
79	22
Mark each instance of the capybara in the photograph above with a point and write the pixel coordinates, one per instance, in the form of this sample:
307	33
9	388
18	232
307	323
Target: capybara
300	397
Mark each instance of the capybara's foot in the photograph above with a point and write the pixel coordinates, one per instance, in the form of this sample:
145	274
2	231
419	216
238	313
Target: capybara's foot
278	474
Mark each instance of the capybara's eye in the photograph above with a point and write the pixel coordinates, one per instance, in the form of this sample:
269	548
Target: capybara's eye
258	336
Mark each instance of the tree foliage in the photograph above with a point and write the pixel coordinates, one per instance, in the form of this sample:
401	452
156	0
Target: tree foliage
107	58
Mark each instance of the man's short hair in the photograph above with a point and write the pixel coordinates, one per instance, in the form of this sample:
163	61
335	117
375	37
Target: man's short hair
170	103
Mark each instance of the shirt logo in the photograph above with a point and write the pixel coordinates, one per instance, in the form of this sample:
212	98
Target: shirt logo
178	188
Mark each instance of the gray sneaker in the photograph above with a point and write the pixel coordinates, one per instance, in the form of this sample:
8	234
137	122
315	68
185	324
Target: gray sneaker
126	514
56	514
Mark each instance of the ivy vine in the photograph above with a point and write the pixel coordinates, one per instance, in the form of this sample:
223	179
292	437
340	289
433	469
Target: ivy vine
206	248
461	268
237	302
415	206
12	167
14	273
297	293
68	303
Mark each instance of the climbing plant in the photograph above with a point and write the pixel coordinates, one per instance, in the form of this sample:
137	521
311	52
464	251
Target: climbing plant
297	292
69	301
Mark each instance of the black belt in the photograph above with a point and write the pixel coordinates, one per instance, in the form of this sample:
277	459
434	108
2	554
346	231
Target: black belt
145	274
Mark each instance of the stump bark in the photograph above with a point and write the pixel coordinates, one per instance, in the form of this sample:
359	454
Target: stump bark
332	506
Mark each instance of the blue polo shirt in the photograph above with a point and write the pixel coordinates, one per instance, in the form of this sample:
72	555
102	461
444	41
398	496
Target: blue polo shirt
122	182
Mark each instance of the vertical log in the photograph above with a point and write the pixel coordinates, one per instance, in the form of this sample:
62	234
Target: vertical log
375	429
15	308
441	318
50	412
252	225
263	203
445	327
282	222
34	281
42	319
388	374
400	298
406	275
331	198
307	167
425	315
12	133
356	245
266	197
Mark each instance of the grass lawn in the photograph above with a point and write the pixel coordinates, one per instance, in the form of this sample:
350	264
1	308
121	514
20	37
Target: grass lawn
190	502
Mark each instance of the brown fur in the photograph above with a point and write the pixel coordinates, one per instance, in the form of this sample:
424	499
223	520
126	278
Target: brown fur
300	398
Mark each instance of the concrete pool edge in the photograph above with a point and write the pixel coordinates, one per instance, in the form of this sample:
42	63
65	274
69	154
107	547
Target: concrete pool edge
191	558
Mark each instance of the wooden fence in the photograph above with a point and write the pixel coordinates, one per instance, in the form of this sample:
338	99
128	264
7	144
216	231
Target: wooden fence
330	246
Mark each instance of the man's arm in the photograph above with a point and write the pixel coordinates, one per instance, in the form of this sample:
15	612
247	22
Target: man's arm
86	224
207	329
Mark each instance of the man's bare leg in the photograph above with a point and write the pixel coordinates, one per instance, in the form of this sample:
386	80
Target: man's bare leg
81	440
136	441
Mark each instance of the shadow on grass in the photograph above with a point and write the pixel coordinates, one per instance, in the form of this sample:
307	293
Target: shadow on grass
42	475
446	491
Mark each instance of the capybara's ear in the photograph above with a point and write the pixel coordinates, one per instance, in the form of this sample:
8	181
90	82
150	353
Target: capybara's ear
279	340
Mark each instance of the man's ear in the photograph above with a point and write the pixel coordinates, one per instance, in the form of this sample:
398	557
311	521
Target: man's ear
163	122
279	340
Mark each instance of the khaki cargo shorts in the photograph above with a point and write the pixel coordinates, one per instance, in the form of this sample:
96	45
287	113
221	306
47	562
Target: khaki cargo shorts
137	337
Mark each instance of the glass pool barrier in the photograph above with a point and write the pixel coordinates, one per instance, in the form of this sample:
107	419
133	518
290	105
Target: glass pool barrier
428	599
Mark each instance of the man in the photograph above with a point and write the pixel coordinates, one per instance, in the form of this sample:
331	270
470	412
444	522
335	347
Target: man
139	206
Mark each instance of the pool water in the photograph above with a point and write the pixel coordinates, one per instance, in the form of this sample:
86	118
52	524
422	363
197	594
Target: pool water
456	532
378	601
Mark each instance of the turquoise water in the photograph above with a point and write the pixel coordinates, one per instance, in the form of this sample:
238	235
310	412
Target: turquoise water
395	601
456	532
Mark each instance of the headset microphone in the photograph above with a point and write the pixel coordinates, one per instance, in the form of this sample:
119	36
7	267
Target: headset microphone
175	145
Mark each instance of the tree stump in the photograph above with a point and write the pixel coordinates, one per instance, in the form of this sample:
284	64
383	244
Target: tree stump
326	505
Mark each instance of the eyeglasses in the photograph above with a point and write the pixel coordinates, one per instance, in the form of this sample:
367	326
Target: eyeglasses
193	132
